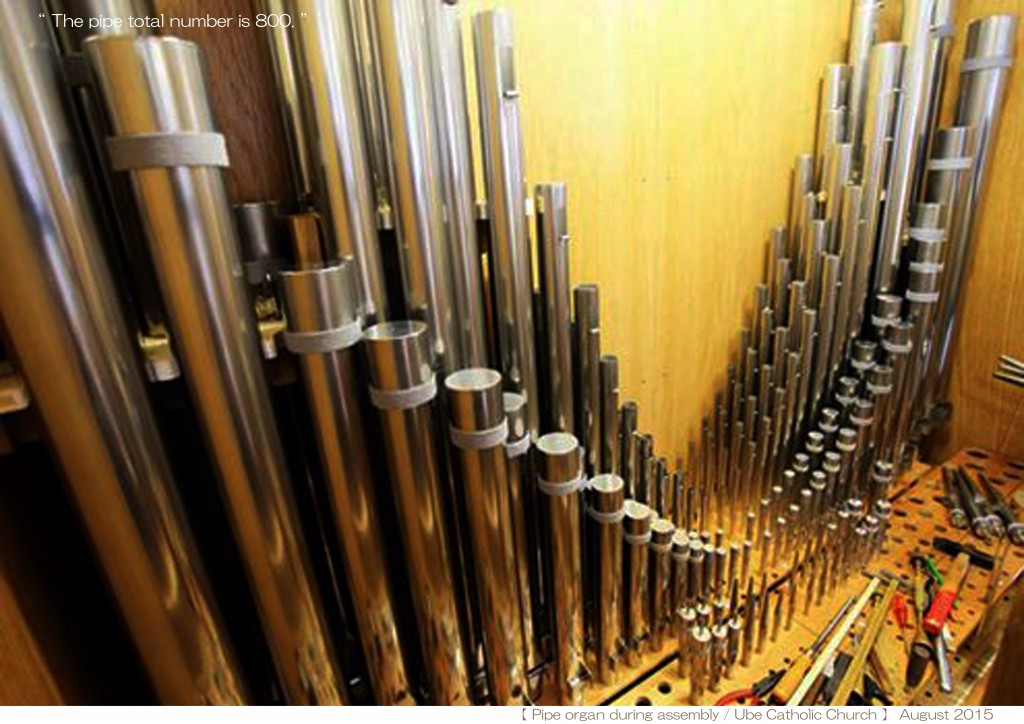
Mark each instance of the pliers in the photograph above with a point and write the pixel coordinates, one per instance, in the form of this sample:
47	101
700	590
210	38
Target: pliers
756	694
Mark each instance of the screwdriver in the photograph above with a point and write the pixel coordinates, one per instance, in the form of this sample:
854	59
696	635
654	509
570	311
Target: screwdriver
942	603
899	610
795	673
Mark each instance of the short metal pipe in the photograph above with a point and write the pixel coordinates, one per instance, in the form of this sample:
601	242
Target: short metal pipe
636	531
607	498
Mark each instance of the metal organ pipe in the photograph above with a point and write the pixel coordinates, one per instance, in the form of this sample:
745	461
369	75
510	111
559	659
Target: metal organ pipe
323	327
605	512
478	432
156	86
560	480
402	387
502	144
324	80
553	252
77	354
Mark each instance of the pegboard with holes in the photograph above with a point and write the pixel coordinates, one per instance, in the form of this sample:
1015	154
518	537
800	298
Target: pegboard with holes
918	516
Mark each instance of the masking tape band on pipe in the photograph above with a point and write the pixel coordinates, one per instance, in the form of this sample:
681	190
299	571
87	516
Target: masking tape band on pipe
324	340
479	439
638	540
517	447
148	150
971	65
608	517
404	399
567	487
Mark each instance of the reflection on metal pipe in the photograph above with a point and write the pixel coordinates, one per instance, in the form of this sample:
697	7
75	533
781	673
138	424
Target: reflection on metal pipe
323	327
156	86
605	512
426	268
560	480
609	404
502	144
556	346
457	171
77	355
321	63
478	431
402	387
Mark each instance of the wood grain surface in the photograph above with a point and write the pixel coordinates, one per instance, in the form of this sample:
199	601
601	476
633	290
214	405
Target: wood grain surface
675	125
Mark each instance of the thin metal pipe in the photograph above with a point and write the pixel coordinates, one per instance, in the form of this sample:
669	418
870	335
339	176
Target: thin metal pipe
609	375
402	387
802	183
586	304
502	144
627	452
455	144
863	28
319	302
478	431
560	479
522	501
79	359
553	253
156	85
832	102
321	66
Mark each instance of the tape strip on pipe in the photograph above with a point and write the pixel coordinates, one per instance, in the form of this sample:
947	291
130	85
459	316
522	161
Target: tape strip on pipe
953	163
404	399
661	547
637	540
607	517
148	150
928	267
517	447
971	65
325	340
479	439
925	297
559	489
922	234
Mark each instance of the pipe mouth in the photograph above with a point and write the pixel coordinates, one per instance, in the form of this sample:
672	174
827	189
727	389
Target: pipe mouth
557	443
473	379
607	483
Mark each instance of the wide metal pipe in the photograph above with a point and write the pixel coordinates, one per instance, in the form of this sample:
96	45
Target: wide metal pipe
72	344
322	64
402	387
323	328
457	172
419	194
560	479
636	532
156	86
478	432
502	144
912	131
607	497
984	75
553	250
522	498
659	576
832	103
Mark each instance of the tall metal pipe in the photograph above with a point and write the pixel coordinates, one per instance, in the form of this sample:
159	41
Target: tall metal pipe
457	172
863	27
156	86
560	480
522	498
984	75
502	144
323	77
636	532
553	252
478	431
627	451
605	512
60	312
402	387
912	130
586	305
419	194
609	397
323	328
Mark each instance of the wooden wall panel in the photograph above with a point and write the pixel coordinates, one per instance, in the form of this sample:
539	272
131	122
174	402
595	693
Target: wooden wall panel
675	124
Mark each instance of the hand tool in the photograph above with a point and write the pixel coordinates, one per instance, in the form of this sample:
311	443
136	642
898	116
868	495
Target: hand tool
991	519
874	628
957	517
1014	529
942	665
788	682
756	694
953	548
980	524
944	598
825	654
